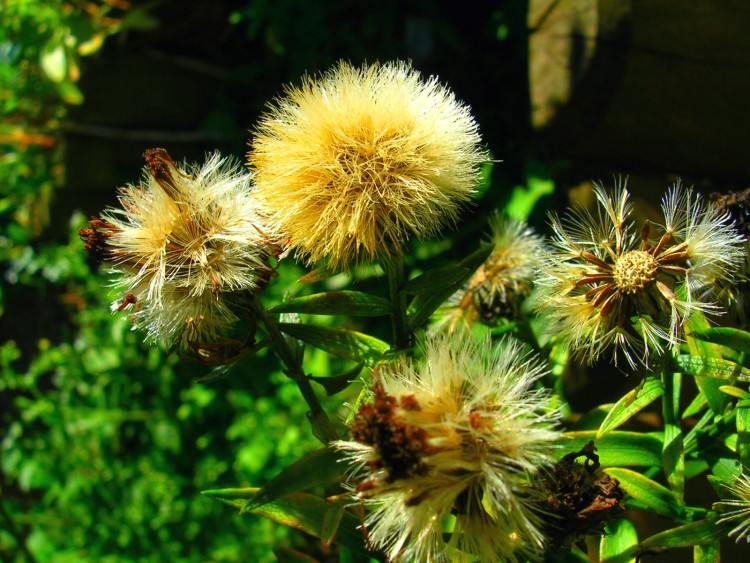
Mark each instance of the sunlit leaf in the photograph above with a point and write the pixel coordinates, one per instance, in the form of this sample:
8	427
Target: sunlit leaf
619	542
650	493
317	468
337	383
435	280
697	322
339	342
688	535
715	368
619	448
424	305
707	553
304	512
351	303
630	404
730	337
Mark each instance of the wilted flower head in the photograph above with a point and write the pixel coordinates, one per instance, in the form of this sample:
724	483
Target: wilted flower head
499	286
355	162
185	243
458	436
737	509
735	295
604	282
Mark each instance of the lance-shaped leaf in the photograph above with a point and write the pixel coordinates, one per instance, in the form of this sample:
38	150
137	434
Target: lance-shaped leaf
707	553
743	434
649	493
316	468
714	368
337	383
435	280
696	533
630	404
339	342
619	448
304	512
730	337
331	522
350	303
619	542
424	304
673	451
697	322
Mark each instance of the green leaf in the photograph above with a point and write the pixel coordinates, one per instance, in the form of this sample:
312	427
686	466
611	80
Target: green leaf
697	405
696	533
351	303
317	468
730	337
435	280
523	199
619	542
708	553
619	448
337	383
231	496
697	322
743	434
650	493
423	305
339	342
305	512
288	555
331	522
673	449
53	58
715	368
733	391
70	93
630	404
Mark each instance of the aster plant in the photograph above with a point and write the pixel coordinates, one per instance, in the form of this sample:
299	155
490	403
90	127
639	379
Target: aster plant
455	440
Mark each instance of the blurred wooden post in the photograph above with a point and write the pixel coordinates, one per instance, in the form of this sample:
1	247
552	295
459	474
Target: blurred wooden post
650	85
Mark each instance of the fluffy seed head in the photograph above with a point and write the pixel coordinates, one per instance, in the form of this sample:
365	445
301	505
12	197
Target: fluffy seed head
352	164
499	286
186	242
603	282
457	437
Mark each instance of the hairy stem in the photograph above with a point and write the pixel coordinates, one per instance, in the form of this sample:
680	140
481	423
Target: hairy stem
322	427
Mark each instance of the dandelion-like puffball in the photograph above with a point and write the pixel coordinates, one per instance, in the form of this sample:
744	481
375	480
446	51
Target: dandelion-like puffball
354	163
457	437
185	242
604	282
498	288
736	510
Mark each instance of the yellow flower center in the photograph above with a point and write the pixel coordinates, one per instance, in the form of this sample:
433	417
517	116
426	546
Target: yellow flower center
634	270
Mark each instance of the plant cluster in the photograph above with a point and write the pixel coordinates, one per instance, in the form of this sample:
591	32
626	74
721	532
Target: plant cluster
459	445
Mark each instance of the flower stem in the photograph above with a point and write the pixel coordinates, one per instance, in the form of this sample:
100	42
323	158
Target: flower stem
322	427
394	268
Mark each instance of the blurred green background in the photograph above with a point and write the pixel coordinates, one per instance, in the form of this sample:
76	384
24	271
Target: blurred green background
105	443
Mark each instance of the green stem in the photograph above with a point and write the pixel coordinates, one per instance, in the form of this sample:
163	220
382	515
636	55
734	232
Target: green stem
322	427
394	268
